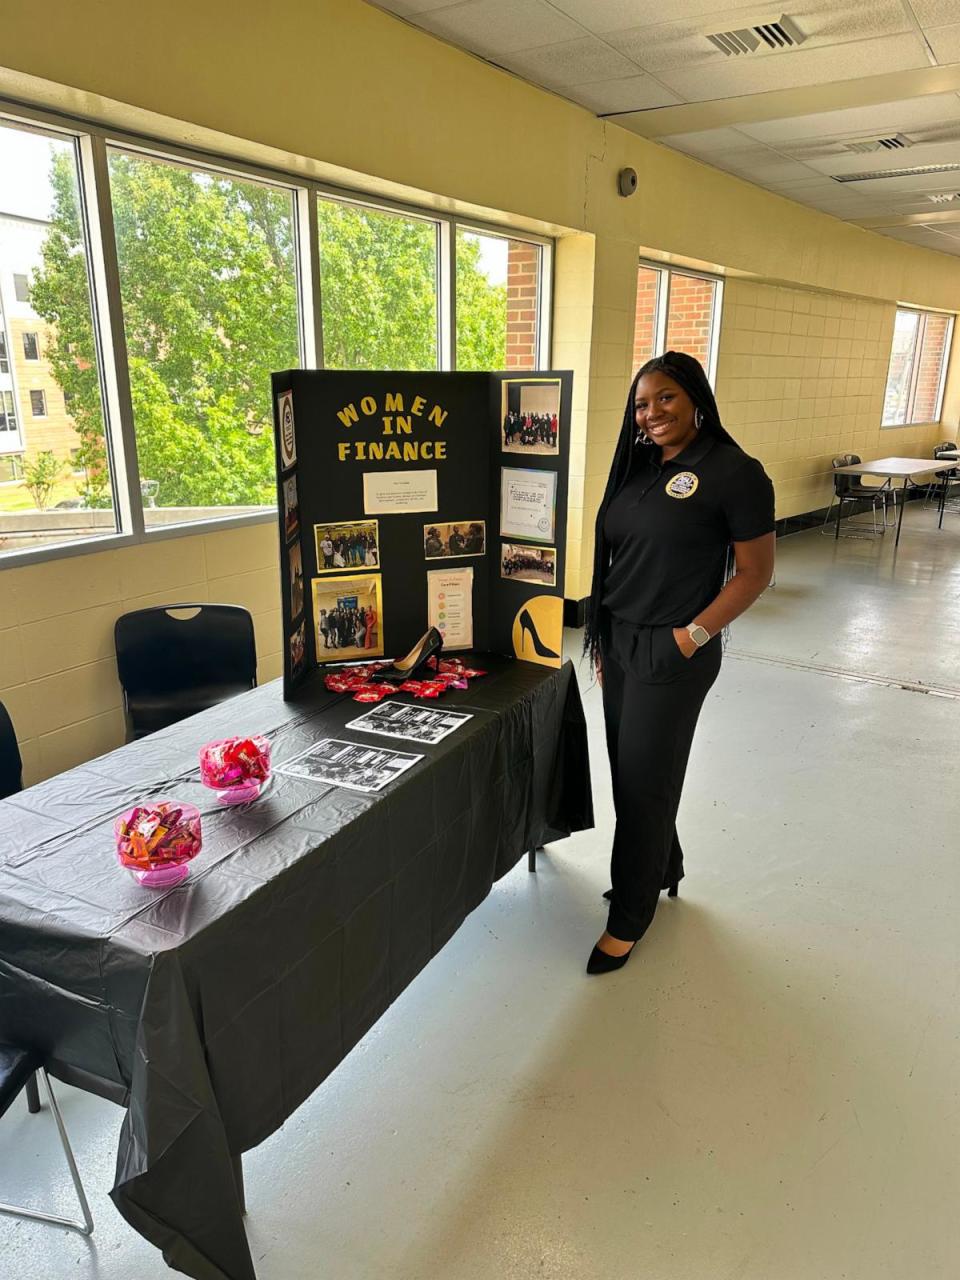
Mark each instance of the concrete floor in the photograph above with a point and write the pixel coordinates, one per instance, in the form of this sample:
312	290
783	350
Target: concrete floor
768	1091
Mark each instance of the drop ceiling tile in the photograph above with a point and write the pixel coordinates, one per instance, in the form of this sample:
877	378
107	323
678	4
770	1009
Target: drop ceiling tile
776	170
847	162
945	41
707	142
795	69
881	119
604	16
569	62
934	13
495	27
410	8
632	93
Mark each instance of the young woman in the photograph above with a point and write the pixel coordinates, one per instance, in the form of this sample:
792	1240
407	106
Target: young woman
681	493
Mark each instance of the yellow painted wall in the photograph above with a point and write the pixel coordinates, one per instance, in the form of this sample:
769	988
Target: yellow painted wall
340	91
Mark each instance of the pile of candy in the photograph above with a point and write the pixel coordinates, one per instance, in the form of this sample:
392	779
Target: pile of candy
163	834
235	762
362	682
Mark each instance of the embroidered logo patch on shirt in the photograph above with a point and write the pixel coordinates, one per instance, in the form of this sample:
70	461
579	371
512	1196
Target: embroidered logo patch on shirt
682	485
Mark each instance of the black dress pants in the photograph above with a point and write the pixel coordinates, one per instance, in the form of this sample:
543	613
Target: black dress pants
652	697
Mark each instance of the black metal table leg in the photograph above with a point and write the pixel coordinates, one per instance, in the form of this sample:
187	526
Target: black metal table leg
33	1095
532	857
903	503
238	1179
836	531
943	502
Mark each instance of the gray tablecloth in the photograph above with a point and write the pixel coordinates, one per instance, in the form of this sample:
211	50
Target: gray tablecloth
211	1011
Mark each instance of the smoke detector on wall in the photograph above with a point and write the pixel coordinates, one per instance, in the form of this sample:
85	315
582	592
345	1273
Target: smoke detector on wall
759	37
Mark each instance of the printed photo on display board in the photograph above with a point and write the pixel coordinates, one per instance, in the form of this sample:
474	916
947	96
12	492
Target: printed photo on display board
291	509
298	648
349	764
347	614
530	415
347	545
528	504
442	541
528	564
296	580
288	439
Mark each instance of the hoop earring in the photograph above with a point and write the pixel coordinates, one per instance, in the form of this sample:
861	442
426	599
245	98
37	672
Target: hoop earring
697	419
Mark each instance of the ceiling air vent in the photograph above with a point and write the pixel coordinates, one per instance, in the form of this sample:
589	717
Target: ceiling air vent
880	144
944	197
782	34
918	172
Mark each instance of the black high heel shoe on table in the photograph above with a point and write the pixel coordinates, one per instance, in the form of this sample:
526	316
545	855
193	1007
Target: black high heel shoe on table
539	648
427	647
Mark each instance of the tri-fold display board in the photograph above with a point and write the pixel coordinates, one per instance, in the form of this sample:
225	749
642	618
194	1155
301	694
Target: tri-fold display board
410	500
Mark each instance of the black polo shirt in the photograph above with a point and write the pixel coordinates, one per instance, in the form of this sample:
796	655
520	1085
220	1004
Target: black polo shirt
670	524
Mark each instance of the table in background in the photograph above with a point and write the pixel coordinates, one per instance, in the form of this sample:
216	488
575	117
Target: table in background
212	1010
891	469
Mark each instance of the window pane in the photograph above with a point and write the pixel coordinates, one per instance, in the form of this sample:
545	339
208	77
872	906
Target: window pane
649	282
49	348
208	283
498	301
900	374
38	404
690	316
933	349
378	281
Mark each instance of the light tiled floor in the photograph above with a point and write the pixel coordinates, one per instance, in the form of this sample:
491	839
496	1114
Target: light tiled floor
768	1091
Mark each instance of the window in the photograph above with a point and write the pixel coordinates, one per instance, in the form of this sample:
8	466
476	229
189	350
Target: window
498	301
21	287
51	253
8	413
208	283
4	359
378	288
676	311
918	366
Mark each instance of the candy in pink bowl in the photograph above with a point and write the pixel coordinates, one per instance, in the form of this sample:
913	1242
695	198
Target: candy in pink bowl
235	768
157	840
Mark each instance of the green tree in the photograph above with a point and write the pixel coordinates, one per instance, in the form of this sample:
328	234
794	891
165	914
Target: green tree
208	284
40	477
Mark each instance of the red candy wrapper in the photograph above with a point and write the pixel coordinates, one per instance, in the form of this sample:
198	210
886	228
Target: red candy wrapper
362	682
232	762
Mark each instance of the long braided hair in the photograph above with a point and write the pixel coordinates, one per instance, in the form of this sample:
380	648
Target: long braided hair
688	373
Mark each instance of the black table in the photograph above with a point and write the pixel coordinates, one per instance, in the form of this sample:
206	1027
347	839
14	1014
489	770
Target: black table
211	1011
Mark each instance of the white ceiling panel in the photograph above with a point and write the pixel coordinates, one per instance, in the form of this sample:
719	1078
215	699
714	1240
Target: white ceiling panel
859	122
709	142
773	170
934	13
500	26
839	166
945	41
735	77
632	93
570	62
410	8
604	16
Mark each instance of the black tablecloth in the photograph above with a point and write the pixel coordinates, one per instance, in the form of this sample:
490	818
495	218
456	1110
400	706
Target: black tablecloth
214	1009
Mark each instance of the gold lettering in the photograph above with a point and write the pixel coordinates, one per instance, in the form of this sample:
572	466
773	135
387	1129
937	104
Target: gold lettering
343	448
387	427
404	425
417	406
359	448
437	415
347	415
393	450
440	449
394	401
369	406
375	450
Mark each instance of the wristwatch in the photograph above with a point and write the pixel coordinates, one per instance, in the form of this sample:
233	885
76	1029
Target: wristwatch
699	635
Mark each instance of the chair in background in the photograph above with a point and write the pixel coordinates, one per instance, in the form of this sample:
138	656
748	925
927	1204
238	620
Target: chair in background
852	489
18	1068
11	765
179	659
948	482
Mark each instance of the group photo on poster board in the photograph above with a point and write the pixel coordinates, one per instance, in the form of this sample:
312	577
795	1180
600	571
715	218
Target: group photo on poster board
411	501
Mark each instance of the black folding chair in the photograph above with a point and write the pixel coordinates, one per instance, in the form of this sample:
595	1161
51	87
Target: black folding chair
946	480
852	489
11	766
18	1070
182	658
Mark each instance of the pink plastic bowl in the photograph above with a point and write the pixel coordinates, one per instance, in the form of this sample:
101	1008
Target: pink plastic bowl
168	860
236	769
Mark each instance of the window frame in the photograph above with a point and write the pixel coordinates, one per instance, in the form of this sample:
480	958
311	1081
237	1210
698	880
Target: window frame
38	391
916	359
17	276
29	333
666	273
93	143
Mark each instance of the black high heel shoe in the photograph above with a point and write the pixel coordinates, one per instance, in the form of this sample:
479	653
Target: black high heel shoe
600	962
427	647
539	648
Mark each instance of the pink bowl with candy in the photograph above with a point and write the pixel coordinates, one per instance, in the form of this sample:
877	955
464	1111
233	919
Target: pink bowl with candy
236	768
157	840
